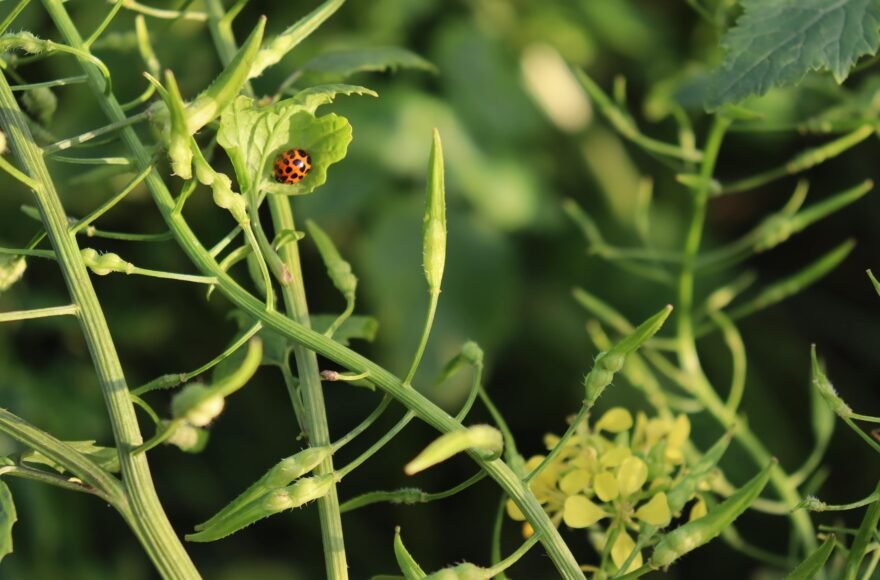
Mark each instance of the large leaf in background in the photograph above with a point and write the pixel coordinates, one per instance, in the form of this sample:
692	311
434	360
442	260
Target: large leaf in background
338	66
776	42
8	517
252	136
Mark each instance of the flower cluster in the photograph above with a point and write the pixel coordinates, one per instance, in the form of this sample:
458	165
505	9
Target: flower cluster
620	470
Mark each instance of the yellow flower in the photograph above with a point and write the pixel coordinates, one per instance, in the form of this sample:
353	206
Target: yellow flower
606	487
614	420
622	548
656	511
631	476
580	512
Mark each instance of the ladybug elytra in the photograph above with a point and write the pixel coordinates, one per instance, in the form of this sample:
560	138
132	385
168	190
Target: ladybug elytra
292	166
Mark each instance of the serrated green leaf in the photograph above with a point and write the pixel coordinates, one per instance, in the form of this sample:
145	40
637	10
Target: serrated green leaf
776	42
106	457
8	517
313	97
252	136
338	66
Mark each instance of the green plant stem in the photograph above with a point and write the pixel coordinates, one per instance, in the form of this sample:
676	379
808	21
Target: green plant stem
296	306
687	347
423	341
553	543
70	309
147	517
311	391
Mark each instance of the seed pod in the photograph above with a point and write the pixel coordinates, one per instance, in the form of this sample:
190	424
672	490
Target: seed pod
603	371
211	102
279	46
483	437
826	389
694	534
685	489
407	564
813	563
272	502
280	475
434	243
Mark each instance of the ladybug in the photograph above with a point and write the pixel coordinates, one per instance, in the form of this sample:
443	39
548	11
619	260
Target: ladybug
292	166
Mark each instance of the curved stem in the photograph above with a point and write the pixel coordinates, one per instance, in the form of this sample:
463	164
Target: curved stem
687	347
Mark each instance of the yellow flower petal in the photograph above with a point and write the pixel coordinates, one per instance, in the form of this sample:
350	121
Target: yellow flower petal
655	512
527	530
632	475
574	481
605	486
674	455
614	420
580	512
614	456
698	510
513	511
681	430
622	548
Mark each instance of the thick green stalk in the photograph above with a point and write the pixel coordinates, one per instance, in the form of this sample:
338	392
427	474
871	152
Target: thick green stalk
311	390
147	517
687	346
553	543
296	306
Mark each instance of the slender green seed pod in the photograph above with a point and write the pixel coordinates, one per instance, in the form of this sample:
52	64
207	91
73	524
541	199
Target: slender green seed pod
694	534
813	563
309	489
211	102
278	476
407	564
484	437
279	46
434	248
826	389
337	268
608	363
179	141
874	281
272	503
685	489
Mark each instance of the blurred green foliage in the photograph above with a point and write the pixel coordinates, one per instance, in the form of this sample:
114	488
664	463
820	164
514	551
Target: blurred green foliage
512	261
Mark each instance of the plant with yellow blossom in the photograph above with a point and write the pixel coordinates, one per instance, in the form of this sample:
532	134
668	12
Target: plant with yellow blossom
615	475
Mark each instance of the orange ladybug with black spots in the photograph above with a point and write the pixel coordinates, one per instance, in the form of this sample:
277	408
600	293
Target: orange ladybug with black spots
292	166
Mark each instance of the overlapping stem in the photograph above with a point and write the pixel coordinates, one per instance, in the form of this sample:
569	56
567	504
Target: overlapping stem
553	543
687	347
146	515
296	306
